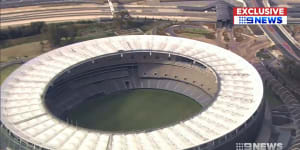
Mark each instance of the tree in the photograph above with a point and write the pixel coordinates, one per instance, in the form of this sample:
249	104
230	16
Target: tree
51	33
121	19
4	34
69	33
42	46
36	27
21	31
292	68
59	34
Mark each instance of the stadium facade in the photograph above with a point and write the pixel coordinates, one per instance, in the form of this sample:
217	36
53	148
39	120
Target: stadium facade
37	94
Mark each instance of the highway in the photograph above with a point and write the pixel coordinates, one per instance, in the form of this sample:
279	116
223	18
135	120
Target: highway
293	14
287	47
21	15
56	14
22	3
24	15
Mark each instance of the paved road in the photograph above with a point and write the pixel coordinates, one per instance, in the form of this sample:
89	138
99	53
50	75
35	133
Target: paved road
21	3
25	15
275	33
286	97
277	36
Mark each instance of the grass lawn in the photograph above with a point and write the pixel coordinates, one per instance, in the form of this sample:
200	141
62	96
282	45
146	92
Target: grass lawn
271	98
30	46
18	41
132	110
195	32
23	50
190	35
7	71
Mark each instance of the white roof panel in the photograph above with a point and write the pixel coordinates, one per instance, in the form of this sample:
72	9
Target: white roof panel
23	113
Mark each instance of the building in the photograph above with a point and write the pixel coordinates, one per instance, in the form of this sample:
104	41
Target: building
232	93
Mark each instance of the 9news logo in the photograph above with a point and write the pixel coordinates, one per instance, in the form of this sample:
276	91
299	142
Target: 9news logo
259	15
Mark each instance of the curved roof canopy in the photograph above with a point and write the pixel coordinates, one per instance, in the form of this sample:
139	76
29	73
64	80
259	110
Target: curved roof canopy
23	112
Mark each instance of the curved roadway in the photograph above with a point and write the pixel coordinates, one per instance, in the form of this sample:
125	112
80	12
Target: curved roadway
278	36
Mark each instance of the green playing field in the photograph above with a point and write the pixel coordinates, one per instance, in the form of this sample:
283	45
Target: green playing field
132	110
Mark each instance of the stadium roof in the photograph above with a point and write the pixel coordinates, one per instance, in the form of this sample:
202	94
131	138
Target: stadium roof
23	111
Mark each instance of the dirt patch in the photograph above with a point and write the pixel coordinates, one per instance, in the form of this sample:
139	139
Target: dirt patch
256	30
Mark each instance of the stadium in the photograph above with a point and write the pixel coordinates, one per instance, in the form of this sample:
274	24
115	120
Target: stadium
37	98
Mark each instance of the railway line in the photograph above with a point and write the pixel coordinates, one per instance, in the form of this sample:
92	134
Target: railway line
100	12
17	16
